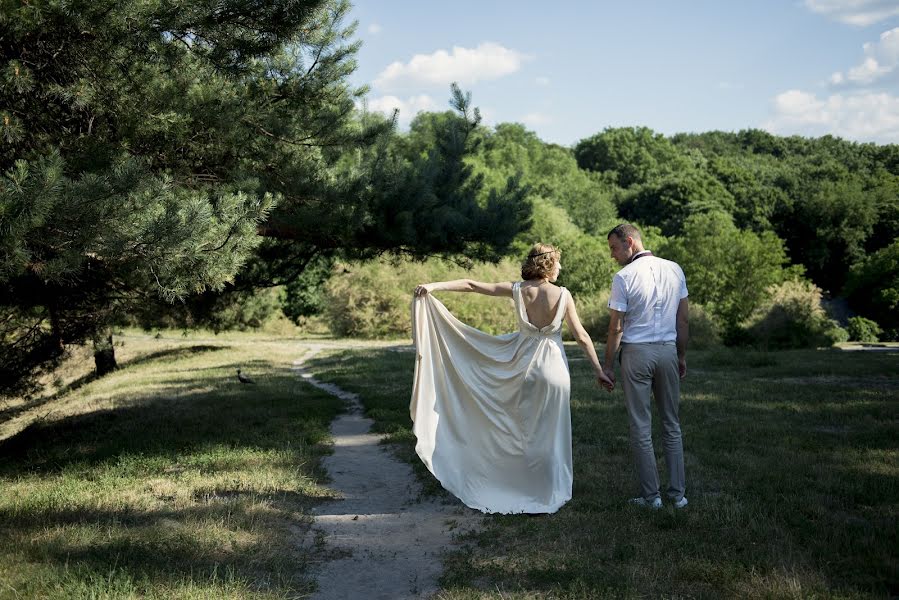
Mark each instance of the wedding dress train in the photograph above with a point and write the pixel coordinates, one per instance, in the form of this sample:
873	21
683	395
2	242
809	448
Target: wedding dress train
491	413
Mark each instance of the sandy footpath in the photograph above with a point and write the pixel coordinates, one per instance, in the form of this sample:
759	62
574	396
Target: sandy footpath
388	540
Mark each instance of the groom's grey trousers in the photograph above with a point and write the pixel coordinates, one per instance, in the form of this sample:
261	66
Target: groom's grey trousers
651	369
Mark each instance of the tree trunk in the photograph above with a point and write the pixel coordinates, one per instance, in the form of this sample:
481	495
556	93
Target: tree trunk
104	353
56	329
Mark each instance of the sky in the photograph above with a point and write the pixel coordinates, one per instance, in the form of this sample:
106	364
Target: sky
569	69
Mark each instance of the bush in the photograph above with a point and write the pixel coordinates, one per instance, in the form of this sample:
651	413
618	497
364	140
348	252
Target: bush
791	316
241	310
373	299
863	330
704	333
304	297
873	288
593	311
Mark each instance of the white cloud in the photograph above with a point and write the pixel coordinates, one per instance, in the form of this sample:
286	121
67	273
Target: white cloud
855	12
408	108
463	65
868	71
374	29
542	81
536	118
881	59
862	117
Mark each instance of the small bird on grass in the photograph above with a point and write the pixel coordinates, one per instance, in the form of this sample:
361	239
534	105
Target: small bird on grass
243	378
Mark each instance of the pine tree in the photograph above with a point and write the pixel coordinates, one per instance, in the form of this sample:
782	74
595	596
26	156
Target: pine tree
151	148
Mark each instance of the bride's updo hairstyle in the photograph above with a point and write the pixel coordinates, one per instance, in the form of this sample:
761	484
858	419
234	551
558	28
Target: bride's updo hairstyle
539	262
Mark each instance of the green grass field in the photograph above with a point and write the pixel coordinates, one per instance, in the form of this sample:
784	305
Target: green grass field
793	480
167	478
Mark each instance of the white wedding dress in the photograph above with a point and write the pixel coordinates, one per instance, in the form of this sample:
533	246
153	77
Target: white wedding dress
491	413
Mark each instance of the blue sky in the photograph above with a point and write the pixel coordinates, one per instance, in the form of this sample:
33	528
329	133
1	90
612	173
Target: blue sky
569	69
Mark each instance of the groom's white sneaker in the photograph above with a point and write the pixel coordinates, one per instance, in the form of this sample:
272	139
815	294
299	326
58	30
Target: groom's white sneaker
681	503
655	504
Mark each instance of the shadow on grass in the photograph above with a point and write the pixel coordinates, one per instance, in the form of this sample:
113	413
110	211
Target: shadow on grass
172	354
180	416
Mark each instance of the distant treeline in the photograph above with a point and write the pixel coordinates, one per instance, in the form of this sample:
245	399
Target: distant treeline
766	227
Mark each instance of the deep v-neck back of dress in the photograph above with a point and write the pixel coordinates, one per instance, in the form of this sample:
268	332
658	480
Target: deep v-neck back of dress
524	322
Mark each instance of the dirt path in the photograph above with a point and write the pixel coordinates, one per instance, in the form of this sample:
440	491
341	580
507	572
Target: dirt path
388	538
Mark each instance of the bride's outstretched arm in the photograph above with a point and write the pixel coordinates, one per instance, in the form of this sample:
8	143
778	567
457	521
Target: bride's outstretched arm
586	343
466	285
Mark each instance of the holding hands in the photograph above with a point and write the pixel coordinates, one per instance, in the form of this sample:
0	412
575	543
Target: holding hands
606	378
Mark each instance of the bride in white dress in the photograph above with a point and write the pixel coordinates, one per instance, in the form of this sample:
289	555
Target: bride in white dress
491	413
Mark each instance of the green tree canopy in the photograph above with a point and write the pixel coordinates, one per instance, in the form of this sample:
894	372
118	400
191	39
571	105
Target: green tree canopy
548	171
630	155
667	202
873	288
147	144
727	269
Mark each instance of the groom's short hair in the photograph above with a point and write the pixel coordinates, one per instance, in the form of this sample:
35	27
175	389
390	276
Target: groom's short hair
624	231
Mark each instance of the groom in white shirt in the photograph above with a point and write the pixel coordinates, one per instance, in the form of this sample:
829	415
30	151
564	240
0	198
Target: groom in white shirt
649	321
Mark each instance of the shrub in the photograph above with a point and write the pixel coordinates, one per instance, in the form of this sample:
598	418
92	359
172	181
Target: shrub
593	311
704	333
791	316
727	270
373	299
873	288
863	330
240	310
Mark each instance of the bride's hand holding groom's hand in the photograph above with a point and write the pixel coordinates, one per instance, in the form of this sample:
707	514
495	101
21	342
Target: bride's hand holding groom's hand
609	375
605	379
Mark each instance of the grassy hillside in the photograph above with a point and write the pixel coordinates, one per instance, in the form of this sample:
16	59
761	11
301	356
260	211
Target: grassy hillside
166	479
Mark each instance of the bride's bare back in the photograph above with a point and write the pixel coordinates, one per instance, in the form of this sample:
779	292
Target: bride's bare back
541	301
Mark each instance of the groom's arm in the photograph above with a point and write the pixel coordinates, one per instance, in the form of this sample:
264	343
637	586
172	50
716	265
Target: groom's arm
617	308
616	318
683	334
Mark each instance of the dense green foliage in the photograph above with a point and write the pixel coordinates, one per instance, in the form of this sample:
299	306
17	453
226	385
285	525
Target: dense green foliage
743	213
863	330
728	270
147	145
873	288
153	152
791	316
